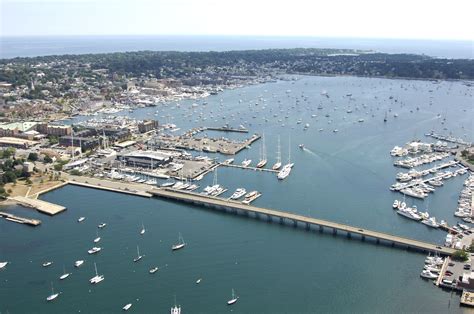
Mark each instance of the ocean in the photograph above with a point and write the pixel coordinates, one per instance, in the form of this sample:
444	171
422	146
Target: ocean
11	47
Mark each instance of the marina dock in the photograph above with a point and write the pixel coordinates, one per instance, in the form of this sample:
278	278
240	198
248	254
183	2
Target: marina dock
248	168
20	220
282	217
227	129
39	205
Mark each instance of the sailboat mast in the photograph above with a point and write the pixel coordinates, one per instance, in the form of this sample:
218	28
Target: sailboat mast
279	152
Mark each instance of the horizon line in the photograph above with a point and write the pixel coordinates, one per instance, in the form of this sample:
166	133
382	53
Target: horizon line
234	36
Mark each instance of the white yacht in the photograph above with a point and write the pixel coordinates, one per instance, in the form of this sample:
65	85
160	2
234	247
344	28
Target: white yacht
430	222
78	263
81	219
198	281
53	295
229	161
47	264
409	214
153	270
127	307
142	232
238	193
176	309
179	245
396	203
94	250
427	274
263	155
102	225
234	298
139	257
246	162
3	264
97	278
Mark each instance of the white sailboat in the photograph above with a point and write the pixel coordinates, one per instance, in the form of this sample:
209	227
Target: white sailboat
234	298
142	232
96	240
139	257
97	278
64	275
53	295
277	165
263	158
180	243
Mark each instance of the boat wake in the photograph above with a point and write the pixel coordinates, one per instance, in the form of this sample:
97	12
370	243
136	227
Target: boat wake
310	151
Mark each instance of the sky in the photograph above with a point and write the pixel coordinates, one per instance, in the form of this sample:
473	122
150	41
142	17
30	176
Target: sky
410	19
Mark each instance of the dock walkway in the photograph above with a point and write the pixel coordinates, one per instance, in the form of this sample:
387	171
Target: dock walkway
235	206
248	168
39	205
20	220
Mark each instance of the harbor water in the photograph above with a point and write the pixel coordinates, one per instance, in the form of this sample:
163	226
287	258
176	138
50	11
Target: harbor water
342	176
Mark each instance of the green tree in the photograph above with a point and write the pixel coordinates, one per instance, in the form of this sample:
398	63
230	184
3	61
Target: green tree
33	157
48	159
460	255
58	167
9	176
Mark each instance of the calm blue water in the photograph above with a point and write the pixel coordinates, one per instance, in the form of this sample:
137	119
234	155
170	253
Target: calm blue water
11	47
341	176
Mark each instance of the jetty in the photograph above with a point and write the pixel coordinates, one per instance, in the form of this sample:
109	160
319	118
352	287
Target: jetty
282	217
39	205
227	129
248	168
20	220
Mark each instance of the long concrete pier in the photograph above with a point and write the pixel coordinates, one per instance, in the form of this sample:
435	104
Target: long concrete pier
20	220
248	167
295	219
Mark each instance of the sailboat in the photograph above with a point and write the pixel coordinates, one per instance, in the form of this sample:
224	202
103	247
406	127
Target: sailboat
385	118
277	165
96	240
142	232
234	298
176	309
180	243
97	278
139	257
53	295
285	171
64	275
263	159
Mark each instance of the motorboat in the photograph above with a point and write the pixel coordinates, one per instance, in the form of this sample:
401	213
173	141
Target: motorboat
127	307
3	264
81	219
94	250
102	225
238	193
427	274
153	270
78	263
97	278
246	162
47	264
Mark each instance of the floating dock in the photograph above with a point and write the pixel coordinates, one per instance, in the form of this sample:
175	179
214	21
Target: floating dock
271	215
20	220
39	205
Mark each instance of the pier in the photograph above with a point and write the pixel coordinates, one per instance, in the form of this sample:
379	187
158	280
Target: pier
295	219
248	168
39	205
112	186
227	129
20	220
